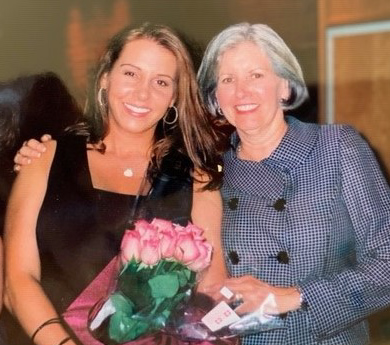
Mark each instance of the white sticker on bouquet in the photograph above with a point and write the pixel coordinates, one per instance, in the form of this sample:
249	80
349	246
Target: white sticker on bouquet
226	292
220	316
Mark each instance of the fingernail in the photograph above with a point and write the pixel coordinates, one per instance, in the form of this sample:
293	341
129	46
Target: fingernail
28	161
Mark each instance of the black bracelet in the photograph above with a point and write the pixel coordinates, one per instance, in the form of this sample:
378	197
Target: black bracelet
63	341
46	323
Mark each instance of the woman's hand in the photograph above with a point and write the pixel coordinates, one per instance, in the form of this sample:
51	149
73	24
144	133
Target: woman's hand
31	149
252	292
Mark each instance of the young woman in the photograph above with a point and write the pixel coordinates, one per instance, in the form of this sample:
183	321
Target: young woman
146	149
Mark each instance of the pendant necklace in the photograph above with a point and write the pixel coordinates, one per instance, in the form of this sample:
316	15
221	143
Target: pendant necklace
128	172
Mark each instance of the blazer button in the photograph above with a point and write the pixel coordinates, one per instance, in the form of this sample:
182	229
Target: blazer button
233	257
280	204
233	203
282	257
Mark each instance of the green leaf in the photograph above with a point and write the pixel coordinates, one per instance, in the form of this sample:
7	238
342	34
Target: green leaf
164	286
121	303
183	277
123	328
188	274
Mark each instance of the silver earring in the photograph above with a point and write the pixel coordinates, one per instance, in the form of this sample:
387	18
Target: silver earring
283	101
101	97
167	113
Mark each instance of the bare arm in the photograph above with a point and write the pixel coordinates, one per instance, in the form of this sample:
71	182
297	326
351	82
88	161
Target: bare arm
22	282
207	214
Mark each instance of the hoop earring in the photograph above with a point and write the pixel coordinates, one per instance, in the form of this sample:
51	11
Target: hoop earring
219	111
174	119
101	98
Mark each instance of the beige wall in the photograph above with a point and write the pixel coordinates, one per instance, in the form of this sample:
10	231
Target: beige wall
66	36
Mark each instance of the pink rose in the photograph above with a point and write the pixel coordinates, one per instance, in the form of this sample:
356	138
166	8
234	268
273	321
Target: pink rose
130	246
204	258
142	226
195	231
186	248
167	243
150	253
149	233
162	225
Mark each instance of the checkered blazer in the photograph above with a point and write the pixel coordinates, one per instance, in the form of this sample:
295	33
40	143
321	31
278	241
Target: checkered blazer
315	214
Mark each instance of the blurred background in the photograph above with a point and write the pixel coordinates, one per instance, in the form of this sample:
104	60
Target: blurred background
342	45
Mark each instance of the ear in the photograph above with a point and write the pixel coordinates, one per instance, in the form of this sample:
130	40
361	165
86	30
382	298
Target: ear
285	90
104	81
172	101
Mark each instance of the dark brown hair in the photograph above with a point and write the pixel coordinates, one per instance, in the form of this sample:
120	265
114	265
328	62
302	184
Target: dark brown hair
193	134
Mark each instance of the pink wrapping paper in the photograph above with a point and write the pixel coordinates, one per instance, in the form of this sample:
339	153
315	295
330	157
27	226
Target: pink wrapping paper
76	315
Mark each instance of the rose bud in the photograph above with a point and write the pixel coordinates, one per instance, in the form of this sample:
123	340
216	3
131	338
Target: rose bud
130	246
150	253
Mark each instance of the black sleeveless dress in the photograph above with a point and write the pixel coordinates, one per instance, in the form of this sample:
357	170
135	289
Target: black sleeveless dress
80	228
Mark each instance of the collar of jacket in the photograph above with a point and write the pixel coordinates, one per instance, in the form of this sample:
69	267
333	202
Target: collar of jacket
268	177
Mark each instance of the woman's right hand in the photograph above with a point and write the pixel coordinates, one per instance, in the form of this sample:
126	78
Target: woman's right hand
31	149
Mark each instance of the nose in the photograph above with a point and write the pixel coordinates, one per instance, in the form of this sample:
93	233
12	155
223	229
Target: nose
143	89
241	87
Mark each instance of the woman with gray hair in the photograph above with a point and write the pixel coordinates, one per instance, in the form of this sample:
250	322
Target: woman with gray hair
306	208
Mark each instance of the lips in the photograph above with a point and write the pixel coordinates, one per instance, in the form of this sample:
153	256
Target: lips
246	107
136	109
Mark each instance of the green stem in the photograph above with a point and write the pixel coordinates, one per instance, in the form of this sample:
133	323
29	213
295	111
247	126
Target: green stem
158	267
175	264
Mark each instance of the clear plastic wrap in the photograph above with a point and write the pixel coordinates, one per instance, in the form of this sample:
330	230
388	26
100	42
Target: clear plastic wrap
204	319
157	269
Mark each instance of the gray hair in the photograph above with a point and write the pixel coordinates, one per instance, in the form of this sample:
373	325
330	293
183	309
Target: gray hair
283	61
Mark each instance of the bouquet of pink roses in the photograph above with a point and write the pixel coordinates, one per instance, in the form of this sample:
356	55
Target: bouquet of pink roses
158	265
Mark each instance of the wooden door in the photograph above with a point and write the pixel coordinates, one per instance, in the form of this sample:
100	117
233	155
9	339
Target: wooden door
354	69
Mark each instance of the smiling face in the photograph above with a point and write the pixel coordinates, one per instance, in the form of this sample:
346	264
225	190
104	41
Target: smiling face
248	90
140	87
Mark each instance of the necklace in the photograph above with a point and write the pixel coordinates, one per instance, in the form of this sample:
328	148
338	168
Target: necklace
128	172
242	154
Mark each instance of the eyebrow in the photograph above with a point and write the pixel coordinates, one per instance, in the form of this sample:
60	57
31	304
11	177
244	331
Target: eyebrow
250	71
140	69
259	68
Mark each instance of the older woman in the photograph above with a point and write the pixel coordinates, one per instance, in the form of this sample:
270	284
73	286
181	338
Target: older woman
145	148
306	208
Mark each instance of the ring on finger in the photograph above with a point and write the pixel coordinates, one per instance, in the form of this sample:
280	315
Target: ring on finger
239	299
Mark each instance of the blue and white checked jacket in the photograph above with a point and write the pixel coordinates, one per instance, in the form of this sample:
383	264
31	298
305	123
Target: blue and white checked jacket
315	214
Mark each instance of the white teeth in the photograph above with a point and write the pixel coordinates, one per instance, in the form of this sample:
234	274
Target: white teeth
246	107
136	109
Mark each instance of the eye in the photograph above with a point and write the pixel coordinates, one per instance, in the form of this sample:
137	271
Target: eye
227	80
130	73
161	82
257	75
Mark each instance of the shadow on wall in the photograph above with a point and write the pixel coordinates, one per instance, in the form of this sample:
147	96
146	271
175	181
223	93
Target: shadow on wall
308	111
29	107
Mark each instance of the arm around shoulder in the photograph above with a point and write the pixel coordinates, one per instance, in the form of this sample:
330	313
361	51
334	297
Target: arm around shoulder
22	279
